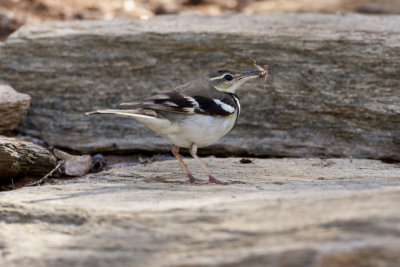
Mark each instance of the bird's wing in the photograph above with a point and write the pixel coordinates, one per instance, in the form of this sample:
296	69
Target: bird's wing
195	97
169	101
179	102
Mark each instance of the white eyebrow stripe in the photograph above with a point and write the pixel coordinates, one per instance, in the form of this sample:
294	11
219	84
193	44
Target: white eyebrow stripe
224	106
219	77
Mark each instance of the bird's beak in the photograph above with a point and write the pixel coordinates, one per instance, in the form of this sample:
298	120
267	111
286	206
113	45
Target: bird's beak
249	75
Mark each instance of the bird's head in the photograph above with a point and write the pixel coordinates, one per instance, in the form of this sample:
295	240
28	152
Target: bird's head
226	80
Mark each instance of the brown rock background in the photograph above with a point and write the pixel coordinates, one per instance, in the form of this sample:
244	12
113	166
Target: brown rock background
333	91
14	13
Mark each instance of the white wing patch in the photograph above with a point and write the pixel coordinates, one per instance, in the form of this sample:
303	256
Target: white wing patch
193	101
170	104
195	105
224	106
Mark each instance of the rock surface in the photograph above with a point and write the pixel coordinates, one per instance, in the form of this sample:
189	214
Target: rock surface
21	158
13	106
289	212
333	88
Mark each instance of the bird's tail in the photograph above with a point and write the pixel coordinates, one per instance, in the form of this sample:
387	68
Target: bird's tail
125	112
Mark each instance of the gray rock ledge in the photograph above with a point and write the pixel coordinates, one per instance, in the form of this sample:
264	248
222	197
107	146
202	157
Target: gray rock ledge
333	87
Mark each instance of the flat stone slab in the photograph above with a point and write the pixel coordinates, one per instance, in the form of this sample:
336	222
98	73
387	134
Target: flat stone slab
289	212
333	88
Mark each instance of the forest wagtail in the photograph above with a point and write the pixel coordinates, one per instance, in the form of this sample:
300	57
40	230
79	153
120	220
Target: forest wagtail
195	114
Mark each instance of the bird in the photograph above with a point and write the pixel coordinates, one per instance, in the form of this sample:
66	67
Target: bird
193	115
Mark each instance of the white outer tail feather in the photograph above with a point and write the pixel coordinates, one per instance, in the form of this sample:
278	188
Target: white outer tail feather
121	112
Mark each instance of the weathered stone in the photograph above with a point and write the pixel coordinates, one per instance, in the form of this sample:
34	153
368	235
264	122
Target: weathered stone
22	158
13	107
289	212
333	87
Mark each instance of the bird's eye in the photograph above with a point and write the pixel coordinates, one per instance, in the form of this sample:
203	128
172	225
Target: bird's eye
228	77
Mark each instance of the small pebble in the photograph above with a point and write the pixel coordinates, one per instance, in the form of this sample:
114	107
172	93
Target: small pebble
246	161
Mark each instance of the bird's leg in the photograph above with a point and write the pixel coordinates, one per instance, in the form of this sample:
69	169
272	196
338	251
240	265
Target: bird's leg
192	179
212	179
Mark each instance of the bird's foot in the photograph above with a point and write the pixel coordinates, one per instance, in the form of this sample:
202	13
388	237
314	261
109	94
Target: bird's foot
214	180
193	180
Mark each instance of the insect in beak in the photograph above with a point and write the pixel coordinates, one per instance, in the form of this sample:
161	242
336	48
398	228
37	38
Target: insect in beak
263	72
